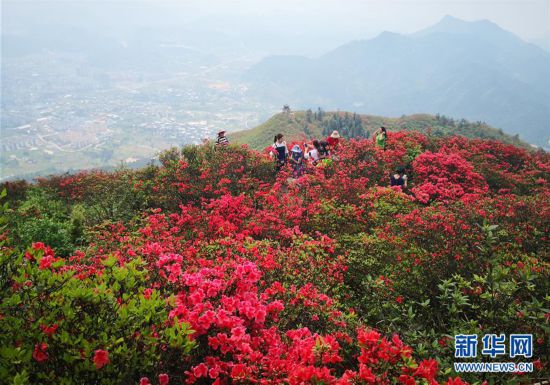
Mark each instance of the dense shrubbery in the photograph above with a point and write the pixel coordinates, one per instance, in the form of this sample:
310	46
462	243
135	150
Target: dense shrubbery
210	268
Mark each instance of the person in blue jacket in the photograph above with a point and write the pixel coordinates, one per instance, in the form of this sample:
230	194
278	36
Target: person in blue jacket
297	160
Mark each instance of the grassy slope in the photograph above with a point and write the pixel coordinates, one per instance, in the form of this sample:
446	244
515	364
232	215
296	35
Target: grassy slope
292	125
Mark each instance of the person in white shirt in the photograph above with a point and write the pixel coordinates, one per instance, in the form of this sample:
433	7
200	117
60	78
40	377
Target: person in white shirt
317	152
311	153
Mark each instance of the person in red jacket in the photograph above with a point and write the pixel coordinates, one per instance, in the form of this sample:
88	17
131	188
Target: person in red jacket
333	140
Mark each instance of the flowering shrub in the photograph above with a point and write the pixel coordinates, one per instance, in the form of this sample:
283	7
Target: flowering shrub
504	167
445	177
213	268
64	321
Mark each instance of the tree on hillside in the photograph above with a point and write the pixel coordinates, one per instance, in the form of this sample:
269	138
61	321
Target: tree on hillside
348	126
309	115
320	114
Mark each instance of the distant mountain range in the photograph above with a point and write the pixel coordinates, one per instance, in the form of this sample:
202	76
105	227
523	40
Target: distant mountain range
473	70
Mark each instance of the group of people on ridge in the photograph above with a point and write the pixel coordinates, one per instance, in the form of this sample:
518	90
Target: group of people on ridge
317	151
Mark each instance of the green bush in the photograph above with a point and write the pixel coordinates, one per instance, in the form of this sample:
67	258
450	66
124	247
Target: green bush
55	320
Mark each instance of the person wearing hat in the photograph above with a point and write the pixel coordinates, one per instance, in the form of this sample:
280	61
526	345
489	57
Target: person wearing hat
399	178
297	160
333	139
222	139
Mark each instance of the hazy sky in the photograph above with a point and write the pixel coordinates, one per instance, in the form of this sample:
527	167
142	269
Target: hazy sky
334	20
527	18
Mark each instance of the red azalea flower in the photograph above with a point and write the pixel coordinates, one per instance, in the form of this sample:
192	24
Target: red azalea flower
456	381
366	374
200	370
38	246
101	358
520	314
407	380
164	379
427	369
238	371
49	330
147	293
214	372
368	337
46	262
144	381
39	353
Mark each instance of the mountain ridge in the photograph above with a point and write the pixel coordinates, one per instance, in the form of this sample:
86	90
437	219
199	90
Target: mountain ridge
493	76
295	126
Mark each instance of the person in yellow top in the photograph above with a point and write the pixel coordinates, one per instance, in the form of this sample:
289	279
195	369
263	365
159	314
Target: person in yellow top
380	137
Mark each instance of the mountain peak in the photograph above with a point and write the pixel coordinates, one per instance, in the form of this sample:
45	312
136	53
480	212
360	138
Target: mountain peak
388	36
447	19
452	24
449	24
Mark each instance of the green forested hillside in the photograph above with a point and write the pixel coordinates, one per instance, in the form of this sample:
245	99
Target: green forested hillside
317	124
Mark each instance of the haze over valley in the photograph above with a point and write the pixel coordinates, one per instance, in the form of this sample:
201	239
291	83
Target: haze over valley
97	85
